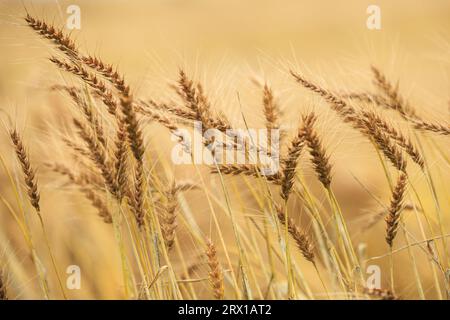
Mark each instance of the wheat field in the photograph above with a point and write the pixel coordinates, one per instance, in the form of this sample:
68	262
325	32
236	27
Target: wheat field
102	196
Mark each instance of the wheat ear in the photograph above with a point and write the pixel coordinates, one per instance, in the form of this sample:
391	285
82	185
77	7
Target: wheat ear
301	238
83	181
369	126
432	127
340	106
92	80
319	158
382	294
289	164
28	171
397	136
168	217
393	217
366	125
396	101
215	270
98	156
246	169
63	42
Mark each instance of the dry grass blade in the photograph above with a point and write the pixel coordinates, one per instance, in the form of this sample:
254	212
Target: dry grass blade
215	270
393	217
28	172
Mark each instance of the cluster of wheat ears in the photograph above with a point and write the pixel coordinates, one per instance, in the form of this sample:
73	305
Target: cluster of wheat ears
111	170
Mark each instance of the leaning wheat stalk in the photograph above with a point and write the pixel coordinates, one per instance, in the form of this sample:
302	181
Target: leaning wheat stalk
32	191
